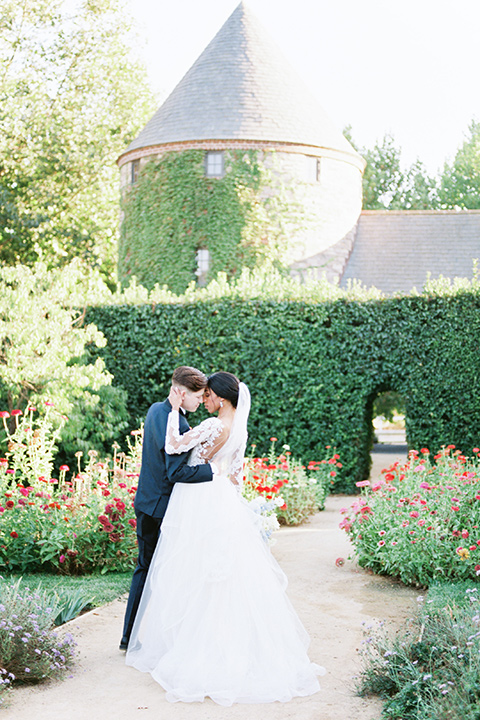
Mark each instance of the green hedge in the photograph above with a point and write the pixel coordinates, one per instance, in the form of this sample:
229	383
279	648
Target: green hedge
314	367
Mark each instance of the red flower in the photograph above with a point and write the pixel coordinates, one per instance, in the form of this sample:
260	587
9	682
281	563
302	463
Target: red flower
133	523
9	504
16	412
273	439
339	562
14	534
4	414
64	468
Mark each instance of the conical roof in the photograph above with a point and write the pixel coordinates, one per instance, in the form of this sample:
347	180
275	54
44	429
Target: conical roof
242	88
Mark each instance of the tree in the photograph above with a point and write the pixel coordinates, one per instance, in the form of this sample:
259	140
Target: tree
460	181
387	186
419	190
383	177
44	346
71	99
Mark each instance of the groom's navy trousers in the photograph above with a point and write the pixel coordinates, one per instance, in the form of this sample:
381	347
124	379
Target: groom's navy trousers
158	474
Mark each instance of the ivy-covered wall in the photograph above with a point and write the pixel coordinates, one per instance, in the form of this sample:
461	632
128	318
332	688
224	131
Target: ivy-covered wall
314	367
173	210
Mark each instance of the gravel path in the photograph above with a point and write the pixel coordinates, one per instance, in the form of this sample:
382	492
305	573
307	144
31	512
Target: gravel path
332	602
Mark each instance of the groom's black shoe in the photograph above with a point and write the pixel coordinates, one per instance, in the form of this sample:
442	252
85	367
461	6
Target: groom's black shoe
123	644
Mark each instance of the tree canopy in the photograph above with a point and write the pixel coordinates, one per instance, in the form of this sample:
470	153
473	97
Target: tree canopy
460	181
72	96
388	185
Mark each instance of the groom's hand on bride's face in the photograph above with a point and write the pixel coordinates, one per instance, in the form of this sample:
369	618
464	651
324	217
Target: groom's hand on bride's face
176	397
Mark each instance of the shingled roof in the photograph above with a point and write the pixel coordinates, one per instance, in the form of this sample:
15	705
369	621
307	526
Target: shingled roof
394	251
241	87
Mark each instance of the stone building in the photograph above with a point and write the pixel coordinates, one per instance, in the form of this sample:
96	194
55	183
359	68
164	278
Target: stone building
241	94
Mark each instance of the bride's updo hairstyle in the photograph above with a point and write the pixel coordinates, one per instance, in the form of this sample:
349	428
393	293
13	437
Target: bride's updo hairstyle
225	385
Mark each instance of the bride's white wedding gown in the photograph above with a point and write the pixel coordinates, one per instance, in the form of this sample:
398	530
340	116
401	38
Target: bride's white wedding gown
214	619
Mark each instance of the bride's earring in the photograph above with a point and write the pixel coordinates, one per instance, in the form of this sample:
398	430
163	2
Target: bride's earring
221	403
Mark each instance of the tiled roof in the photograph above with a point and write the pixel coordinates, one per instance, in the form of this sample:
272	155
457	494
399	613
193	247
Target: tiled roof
241	87
394	251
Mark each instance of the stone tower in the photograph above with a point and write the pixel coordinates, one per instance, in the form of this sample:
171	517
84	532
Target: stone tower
241	94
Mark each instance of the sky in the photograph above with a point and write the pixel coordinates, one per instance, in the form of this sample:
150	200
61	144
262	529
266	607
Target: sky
409	69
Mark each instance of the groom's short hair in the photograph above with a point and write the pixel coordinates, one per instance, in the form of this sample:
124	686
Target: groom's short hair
190	378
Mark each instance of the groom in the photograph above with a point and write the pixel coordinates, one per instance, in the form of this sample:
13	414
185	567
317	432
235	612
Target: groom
158	474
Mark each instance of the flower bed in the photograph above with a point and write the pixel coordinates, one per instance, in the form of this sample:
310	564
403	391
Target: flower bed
295	491
79	522
421	521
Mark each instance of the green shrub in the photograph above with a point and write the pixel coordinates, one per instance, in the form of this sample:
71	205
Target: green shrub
315	358
431	667
30	649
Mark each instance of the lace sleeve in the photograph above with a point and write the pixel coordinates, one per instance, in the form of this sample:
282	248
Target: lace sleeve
236	469
175	443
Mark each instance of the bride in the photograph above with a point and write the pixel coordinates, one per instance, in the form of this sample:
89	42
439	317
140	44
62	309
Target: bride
214	619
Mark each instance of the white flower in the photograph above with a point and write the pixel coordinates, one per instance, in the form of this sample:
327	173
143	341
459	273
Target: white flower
279	501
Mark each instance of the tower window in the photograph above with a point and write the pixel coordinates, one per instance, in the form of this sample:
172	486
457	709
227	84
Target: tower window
214	166
312	168
203	265
134	168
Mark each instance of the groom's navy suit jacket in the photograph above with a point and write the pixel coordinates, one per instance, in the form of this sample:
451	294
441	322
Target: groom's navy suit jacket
159	471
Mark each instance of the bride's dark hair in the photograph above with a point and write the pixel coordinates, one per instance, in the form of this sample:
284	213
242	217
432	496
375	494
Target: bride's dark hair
225	385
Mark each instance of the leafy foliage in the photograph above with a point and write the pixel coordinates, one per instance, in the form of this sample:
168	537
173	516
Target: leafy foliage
315	358
62	128
173	210
30	649
460	182
386	185
431	667
43	352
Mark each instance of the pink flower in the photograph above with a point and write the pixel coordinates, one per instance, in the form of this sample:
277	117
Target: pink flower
49	404
61	559
362	483
455	508
64	468
133	523
394	542
16	412
4	414
339	562
414	514
382	532
425	486
381	543
465	533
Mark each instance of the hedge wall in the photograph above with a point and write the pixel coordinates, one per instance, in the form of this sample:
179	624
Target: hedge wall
314	368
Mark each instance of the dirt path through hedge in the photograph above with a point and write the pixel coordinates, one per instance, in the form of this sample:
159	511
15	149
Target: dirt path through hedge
332	602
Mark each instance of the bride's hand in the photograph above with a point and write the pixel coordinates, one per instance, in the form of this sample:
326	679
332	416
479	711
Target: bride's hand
176	397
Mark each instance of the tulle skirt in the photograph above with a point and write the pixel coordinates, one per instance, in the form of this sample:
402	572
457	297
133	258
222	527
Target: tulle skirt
214	619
